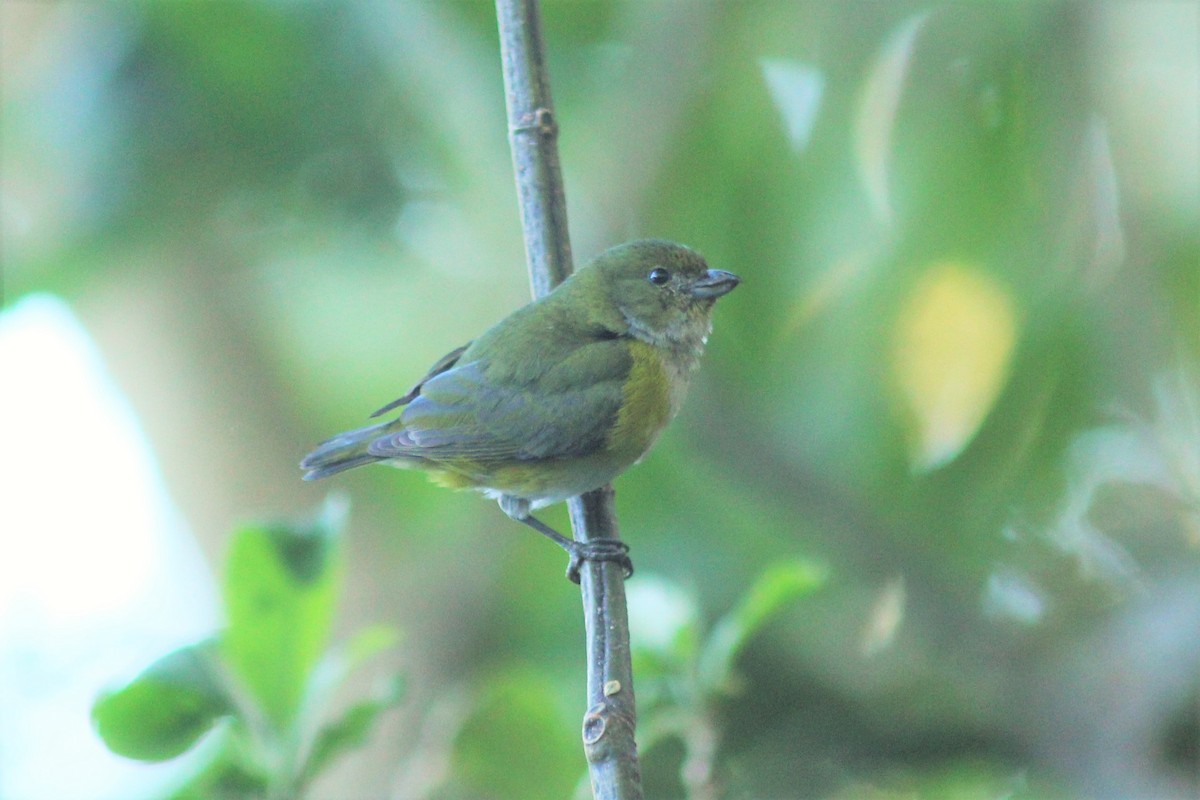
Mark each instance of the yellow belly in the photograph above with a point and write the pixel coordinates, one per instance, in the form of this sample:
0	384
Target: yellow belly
647	406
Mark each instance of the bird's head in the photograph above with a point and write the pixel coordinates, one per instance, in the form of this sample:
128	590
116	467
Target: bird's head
661	292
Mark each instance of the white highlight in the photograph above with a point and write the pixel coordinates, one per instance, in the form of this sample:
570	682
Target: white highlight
796	89
98	576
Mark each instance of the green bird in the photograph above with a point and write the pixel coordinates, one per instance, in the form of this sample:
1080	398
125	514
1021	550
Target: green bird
558	398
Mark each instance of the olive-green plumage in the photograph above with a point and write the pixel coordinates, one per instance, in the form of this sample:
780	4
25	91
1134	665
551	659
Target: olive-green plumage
562	395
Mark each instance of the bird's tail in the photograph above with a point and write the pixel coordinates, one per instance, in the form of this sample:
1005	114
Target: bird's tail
344	451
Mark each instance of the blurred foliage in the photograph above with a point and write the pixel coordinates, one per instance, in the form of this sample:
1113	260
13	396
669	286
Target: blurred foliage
269	676
961	370
685	676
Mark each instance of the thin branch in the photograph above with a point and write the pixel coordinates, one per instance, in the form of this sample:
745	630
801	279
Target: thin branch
533	137
608	725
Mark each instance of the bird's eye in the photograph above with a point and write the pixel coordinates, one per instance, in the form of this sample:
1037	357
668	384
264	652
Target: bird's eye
658	276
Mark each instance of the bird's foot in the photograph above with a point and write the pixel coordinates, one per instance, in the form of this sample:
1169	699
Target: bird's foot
597	550
601	549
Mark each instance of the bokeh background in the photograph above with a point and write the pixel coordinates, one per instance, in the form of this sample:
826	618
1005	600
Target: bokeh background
962	373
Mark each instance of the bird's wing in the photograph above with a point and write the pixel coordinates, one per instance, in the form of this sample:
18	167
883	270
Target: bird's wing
444	363
567	409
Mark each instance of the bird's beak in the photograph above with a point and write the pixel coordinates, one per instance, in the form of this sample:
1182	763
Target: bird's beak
714	284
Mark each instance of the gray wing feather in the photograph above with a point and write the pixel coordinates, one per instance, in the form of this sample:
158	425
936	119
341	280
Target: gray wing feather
444	363
566	411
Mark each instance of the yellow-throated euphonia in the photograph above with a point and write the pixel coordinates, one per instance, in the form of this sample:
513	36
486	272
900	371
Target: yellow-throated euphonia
559	397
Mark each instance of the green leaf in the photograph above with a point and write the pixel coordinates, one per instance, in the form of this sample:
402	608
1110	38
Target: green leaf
225	776
281	586
337	664
368	643
777	585
351	730
166	709
330	673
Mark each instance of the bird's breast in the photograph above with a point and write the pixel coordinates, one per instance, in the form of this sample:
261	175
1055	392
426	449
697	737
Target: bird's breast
649	398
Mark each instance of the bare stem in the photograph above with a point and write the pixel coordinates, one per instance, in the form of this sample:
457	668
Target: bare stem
608	725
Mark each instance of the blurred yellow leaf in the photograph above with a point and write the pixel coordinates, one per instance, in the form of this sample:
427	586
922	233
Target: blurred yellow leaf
952	347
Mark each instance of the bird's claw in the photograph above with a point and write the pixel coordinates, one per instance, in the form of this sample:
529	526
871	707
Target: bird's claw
599	549
613	550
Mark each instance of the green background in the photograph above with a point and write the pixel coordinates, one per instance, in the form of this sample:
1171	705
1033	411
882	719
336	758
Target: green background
961	372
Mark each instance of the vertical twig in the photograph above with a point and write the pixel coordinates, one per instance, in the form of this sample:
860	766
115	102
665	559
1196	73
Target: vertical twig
533	137
608	725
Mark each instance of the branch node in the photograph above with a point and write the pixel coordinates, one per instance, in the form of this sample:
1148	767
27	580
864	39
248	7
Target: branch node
607	731
540	121
595	723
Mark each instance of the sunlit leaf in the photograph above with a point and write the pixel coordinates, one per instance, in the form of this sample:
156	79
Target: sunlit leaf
886	615
1012	595
796	89
1162	452
664	624
1103	200
953	345
827	288
774	588
1176	427
877	111
165	709
281	584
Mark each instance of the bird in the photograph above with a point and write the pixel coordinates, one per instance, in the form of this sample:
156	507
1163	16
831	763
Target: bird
558	398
